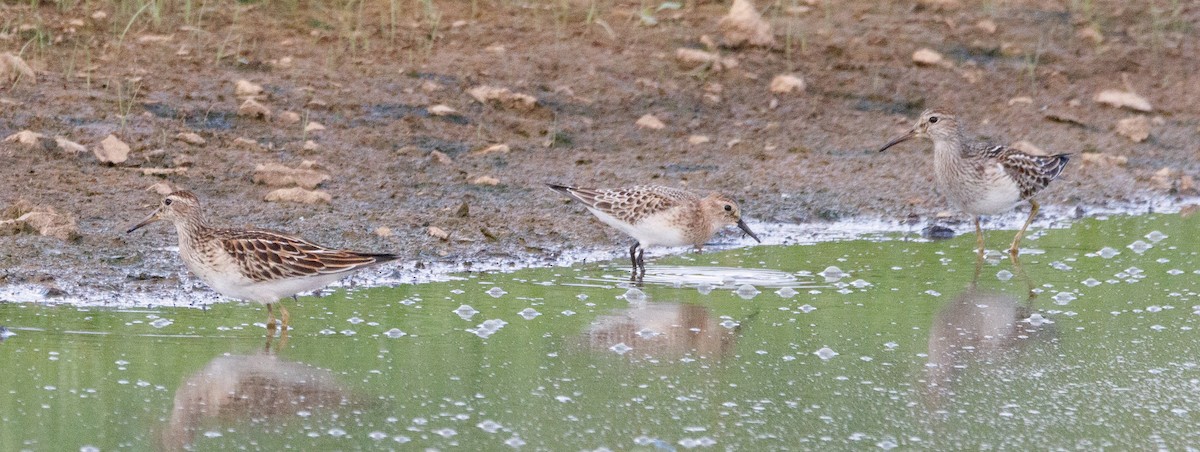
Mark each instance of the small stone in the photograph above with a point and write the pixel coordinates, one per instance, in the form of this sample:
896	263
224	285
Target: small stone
310	145
787	83
154	39
1136	128
1091	34
246	143
1165	179
430	86
485	180
99	16
13	67
245	88
1123	99
23	217
299	195
314	126
937	232
442	110
383	231
493	149
489	94
25	137
111	150
289	117
744	25
927	57
69	146
161	171
162	188
438	233
697	57
441	158
986	25
649	121
253	109
1026	100
698	139
191	138
278	175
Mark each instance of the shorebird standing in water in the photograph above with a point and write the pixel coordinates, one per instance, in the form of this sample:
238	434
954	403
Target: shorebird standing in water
983	179
659	216
254	264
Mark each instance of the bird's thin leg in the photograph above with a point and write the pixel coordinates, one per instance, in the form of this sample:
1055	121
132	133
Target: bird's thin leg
283	315
978	269
978	236
1033	210
270	318
1024	276
634	260
283	338
642	262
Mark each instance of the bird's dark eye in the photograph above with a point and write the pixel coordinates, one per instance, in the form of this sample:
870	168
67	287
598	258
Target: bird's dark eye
167	202
728	208
933	119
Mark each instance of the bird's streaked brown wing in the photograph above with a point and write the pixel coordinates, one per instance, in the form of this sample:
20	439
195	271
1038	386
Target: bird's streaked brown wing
630	204
266	255
1031	172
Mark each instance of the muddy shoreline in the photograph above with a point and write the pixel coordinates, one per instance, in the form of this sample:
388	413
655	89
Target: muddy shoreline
176	287
796	158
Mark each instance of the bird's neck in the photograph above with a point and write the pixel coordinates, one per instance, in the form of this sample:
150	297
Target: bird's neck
950	148
949	157
191	230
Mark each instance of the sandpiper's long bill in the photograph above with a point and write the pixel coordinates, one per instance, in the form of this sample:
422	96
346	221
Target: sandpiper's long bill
254	264
982	179
659	216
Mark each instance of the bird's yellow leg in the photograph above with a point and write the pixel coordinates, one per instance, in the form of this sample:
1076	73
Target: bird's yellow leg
270	317
978	237
283	314
1033	210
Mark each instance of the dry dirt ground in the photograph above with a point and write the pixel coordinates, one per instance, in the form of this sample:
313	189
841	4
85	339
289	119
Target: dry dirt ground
370	72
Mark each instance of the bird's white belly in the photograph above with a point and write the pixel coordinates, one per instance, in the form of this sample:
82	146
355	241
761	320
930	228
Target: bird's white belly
265	292
274	290
997	194
654	230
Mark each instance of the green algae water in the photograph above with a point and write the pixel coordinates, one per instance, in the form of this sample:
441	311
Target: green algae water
873	343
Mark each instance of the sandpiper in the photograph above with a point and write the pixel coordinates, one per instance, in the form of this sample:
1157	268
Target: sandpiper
983	179
663	216
254	264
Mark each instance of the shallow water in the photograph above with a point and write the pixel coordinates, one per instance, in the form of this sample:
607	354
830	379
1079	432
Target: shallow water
761	347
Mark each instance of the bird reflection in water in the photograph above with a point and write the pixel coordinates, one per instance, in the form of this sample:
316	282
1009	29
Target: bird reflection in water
257	388
661	331
979	327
